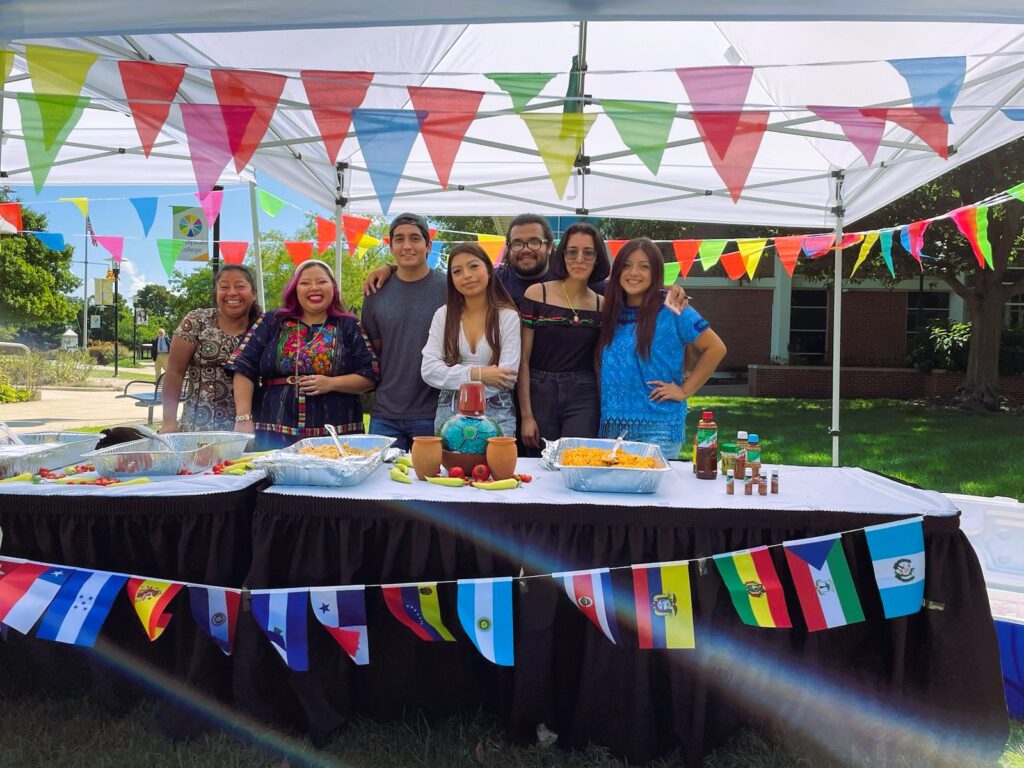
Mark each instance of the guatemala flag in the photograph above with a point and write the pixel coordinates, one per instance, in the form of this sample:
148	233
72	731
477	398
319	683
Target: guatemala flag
27	591
281	614
77	613
485	610
342	611
591	592
216	611
897	554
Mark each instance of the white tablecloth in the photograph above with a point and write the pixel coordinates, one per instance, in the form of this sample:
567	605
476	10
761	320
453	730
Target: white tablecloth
168	485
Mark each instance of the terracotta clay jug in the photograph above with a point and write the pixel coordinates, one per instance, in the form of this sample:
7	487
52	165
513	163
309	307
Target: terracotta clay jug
501	457
426	456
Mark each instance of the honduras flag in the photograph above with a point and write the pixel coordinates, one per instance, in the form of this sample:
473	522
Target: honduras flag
897	554
342	611
77	613
27	591
281	614
485	610
215	610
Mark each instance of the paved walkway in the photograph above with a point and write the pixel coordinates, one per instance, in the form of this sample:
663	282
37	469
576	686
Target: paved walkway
66	408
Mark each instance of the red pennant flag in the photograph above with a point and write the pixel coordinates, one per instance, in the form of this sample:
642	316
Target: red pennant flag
966	220
233	251
733	263
614	246
788	249
445	115
332	96
299	251
258	90
150	89
326	234
11	213
686	252
847	241
915	233
206	128
927	123
355	227
743	143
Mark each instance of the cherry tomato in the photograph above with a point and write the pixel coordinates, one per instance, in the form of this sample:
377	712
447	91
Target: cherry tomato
456	472
481	472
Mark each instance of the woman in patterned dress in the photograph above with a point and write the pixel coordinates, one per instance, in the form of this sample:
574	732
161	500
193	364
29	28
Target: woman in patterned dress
311	361
200	347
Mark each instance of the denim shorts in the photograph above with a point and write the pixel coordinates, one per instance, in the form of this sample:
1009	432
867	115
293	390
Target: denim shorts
499	407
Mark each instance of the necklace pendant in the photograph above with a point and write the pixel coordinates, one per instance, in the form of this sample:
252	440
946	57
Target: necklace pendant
575	319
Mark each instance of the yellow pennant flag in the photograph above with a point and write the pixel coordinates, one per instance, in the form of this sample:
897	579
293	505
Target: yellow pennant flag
865	248
150	599
81	203
558	138
6	62
57	71
750	251
493	245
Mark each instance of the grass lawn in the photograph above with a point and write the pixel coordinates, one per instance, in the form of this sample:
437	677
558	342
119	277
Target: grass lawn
108	373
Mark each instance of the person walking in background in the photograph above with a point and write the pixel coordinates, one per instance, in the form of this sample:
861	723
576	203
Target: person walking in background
201	346
159	350
311	361
642	348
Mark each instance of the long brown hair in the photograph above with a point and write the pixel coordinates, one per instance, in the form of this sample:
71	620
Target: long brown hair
614	297
497	298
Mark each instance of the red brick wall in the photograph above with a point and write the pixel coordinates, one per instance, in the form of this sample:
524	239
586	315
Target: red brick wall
743	318
874	328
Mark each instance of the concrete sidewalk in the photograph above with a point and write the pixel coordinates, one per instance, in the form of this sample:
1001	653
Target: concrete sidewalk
66	408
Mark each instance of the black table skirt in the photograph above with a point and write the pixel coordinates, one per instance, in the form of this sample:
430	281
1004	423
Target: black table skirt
936	673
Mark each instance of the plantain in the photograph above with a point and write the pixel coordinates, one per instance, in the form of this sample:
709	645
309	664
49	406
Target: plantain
498	485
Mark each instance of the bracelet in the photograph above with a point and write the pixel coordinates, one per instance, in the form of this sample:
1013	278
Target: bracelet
243	417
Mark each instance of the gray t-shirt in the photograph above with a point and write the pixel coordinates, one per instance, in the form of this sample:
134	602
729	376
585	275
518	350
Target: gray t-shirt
399	316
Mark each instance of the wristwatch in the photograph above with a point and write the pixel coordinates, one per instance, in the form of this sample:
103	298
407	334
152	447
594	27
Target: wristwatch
243	417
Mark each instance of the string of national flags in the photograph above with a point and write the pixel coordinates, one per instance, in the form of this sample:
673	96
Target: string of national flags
70	605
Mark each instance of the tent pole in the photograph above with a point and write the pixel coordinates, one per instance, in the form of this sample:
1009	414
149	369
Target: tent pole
340	201
260	294
837	314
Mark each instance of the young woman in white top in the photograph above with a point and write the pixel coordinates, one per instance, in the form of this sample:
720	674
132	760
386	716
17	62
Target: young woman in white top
475	337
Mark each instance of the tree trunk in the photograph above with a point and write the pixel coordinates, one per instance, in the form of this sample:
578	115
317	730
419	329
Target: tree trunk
981	382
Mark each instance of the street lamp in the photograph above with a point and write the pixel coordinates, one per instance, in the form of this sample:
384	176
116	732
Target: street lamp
116	270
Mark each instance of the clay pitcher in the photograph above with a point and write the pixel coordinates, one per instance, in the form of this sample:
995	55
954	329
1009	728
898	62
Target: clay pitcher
501	457
426	456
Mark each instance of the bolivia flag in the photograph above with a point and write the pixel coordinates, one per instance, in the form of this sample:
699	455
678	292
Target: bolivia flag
823	582
664	611
754	587
150	600
416	606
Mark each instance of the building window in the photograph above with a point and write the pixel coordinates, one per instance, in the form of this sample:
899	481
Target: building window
1015	306
934	308
808	327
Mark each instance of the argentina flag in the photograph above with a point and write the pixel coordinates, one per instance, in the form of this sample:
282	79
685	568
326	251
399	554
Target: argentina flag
485	611
897	555
281	614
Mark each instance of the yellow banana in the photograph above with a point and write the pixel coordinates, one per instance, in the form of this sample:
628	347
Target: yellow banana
451	482
398	475
498	485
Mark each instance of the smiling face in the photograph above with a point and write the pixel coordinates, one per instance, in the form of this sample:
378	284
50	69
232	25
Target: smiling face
314	290
636	277
580	256
528	261
468	274
408	246
234	294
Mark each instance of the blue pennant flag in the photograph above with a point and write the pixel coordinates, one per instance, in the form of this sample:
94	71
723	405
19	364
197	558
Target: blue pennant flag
485	610
897	555
52	240
146	208
281	614
435	253
77	613
934	82
386	137
1014	113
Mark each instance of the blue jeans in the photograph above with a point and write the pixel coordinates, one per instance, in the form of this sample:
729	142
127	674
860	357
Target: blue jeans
403	430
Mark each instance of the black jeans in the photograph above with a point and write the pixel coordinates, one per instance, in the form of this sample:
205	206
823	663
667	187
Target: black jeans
565	404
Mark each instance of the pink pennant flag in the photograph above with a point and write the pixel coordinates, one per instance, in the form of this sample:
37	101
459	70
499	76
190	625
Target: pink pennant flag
300	251
733	263
915	233
332	96
233	251
113	244
816	246
150	88
445	115
206	128
686	252
927	123
788	250
863	130
211	202
326	234
259	91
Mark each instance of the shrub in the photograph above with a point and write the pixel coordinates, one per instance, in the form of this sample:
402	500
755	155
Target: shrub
102	352
1011	352
70	367
8	394
947	346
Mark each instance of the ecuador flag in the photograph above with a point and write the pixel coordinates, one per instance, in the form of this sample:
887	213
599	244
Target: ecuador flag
754	587
664	610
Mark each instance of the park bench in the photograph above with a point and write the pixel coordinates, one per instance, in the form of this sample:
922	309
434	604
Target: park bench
153	398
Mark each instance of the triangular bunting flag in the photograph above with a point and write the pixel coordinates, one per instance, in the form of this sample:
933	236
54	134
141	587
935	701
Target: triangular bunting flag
355	228
386	137
271	204
150	89
58	71
981	214
169	252
485	611
817	245
664	606
823	582
233	251
342	611
685	252
734	265
671	272
46	122
710	251
281	614
614	246
150	599
523	87
299	251
644	127
558	138
717	91
754	587
26	590
418	608
1015	114
434	256
332	96
734	166
145	207
897	555
926	123
751	250
1017	192
493	245
6	62
915	235
591	592
211	203
52	240
446	114
216	612
934	81
788	250
81	203
326	234
113	244
206	128
11	213
259	91
77	613
886	239
864	131
865	248
967	220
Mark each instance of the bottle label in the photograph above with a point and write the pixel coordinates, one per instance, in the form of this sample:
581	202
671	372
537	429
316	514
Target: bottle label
707	438
753	454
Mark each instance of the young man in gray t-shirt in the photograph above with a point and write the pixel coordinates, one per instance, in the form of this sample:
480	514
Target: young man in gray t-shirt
397	320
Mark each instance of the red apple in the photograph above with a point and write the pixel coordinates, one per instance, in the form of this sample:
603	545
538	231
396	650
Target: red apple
481	472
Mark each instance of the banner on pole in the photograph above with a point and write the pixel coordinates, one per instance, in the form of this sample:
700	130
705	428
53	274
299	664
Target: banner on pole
189	225
104	292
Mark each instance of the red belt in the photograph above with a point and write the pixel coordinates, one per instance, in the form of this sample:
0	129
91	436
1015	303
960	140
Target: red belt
281	382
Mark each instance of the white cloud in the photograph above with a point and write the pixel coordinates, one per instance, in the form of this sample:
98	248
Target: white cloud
131	277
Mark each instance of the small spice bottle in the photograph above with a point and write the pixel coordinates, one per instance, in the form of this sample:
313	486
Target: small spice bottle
748	482
762	484
775	481
730	483
740	462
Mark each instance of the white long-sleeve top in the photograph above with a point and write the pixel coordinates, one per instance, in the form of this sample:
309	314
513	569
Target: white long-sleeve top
440	375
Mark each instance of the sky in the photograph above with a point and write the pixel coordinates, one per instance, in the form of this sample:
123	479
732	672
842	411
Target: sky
113	214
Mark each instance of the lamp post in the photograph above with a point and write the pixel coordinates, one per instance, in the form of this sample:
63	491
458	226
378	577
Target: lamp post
116	269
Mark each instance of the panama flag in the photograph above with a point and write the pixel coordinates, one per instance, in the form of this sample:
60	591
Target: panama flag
664	609
26	590
591	592
281	614
215	610
897	554
417	606
342	611
77	613
754	587
485	610
823	582
150	599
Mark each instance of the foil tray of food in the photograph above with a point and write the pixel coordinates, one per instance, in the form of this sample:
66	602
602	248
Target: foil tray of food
43	450
174	454
587	464
316	460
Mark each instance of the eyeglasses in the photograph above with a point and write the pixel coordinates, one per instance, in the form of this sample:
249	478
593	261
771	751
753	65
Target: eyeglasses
575	254
534	244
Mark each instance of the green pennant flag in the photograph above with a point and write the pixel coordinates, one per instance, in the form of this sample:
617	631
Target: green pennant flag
573	102
1017	191
6	62
558	138
521	86
885	237
981	216
643	126
671	272
169	251
710	251
271	204
43	116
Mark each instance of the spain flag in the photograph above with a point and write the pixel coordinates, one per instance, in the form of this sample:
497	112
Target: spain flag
150	599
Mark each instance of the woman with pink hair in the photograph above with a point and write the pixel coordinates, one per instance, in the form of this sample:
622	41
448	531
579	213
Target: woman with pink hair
304	365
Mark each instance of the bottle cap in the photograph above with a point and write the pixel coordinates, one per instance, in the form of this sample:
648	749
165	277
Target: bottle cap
753	438
707	416
731	474
749	472
741	435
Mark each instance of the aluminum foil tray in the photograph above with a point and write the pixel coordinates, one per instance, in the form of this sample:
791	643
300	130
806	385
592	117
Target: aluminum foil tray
15	459
289	467
193	452
44	450
612	479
